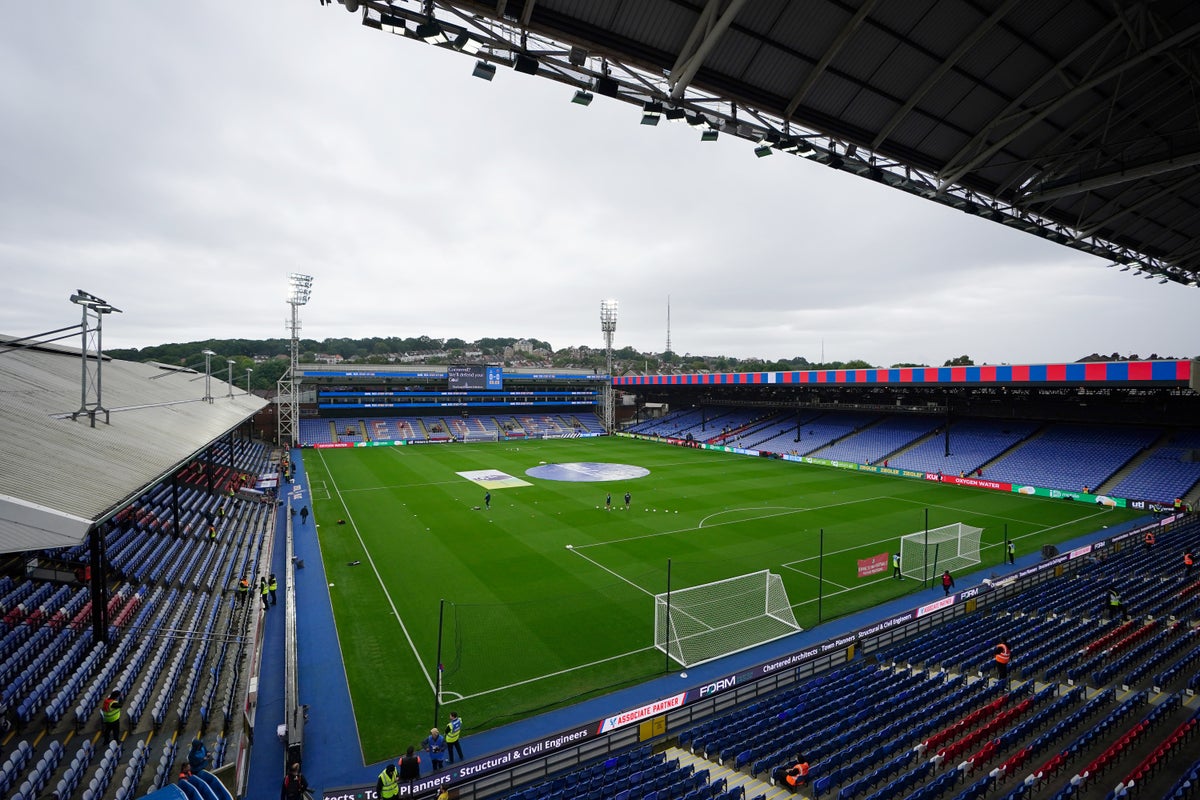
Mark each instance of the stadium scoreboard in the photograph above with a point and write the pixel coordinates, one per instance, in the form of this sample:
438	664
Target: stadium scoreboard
474	376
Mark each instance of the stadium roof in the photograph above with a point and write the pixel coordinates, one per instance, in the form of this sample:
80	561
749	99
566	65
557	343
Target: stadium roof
1074	120
59	476
1091	375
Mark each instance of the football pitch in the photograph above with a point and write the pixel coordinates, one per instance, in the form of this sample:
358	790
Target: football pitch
549	594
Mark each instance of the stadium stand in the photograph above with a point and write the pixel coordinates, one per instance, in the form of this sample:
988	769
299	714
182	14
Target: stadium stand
1092	702
1071	456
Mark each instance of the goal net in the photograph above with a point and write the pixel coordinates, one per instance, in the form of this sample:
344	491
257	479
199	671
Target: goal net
701	623
950	547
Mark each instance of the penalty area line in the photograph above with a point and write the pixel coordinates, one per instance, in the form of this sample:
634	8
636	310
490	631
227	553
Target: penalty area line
616	575
555	674
814	577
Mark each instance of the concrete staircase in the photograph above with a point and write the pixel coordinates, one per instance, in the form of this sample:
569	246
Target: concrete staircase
1131	464
753	787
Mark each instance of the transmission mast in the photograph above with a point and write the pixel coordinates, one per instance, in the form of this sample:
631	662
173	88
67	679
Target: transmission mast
287	397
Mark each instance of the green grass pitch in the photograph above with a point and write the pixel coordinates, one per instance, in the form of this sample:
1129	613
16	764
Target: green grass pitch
549	597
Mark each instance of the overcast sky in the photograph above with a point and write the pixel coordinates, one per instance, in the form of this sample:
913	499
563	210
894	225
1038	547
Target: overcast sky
180	159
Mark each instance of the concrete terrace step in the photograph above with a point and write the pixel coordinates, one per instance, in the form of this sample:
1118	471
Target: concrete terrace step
753	787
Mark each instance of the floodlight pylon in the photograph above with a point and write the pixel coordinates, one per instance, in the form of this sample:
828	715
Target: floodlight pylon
288	432
608	326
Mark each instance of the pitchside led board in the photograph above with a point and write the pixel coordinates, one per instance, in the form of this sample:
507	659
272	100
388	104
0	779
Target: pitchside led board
474	376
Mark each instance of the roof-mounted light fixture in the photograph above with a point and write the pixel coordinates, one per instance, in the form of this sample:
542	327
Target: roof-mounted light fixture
484	70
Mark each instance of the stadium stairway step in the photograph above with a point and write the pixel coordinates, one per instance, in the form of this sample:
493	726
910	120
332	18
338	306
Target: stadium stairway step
1132	464
753	787
1039	433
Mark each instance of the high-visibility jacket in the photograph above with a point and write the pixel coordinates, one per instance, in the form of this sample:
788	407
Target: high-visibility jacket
243	586
389	785
797	773
263	589
1114	599
272	585
896	561
110	710
453	729
1002	654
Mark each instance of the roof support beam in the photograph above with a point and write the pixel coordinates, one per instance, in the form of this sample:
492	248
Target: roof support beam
1087	137
830	53
936	75
707	31
1095	223
1003	117
527	12
1166	44
1053	190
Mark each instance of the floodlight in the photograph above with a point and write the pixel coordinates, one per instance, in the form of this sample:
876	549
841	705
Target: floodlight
299	288
651	113
1125	268
392	24
710	135
763	150
583	98
467	44
208	353
577	56
697	120
607	86
608	315
484	70
526	64
432	33
675	113
93	303
1164	279
836	162
1150	275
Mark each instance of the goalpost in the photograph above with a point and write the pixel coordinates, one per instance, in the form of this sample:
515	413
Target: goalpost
951	547
705	622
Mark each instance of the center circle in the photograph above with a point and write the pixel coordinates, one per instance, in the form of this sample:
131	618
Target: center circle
579	471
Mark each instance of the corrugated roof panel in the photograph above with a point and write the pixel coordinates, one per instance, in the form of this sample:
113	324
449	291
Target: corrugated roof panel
660	26
900	19
777	71
735	54
158	420
866	57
